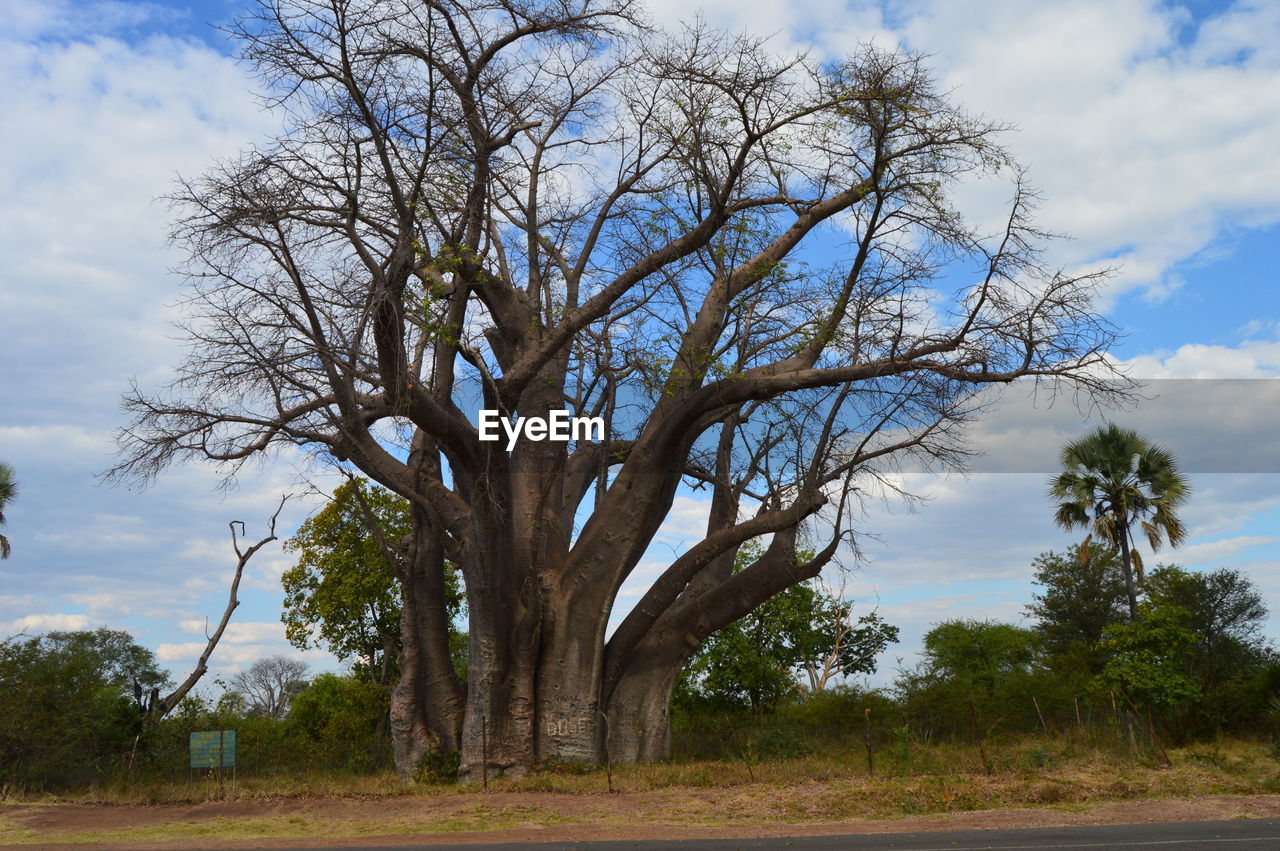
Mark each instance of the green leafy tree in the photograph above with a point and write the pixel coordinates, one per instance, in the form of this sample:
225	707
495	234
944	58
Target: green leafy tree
974	675
980	654
749	662
344	593
67	708
343	718
1230	659
128	667
754	661
8	490
835	644
1146	658
1081	594
1112	479
233	702
1225	611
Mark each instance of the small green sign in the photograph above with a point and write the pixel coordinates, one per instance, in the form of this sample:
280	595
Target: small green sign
213	749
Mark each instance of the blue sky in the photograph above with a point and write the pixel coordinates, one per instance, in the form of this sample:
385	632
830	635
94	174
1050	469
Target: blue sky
1150	128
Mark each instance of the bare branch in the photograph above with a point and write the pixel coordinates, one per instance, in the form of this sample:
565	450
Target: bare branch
162	707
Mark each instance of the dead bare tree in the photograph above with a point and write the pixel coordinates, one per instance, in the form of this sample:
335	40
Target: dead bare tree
156	706
270	684
853	642
738	262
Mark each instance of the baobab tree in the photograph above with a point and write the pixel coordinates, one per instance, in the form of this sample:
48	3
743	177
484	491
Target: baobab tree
746	266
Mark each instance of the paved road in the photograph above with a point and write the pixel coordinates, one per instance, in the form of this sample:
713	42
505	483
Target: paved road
1235	835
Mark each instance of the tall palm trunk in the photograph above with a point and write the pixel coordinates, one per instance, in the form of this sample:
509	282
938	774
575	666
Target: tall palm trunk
1126	559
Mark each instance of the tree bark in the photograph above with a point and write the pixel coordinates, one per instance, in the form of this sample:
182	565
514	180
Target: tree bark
639	702
569	676
504	606
1130	586
640	708
428	699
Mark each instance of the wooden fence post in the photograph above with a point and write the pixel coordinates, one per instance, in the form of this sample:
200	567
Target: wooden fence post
982	737
1043	725
871	771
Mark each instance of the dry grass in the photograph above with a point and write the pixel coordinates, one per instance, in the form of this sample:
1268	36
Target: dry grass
922	780
206	787
1080	769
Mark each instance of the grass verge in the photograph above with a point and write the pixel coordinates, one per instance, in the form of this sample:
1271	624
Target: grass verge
831	788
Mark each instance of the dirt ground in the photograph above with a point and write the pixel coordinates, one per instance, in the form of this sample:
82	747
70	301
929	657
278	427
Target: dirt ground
638	815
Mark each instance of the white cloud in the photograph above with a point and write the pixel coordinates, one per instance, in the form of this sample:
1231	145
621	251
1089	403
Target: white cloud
225	655
230	658
1233	36
638	583
46	623
1223	504
687	520
60	18
55	443
252	632
1250	359
1212	426
96	128
1144	147
1214	551
950	607
114	597
1146	134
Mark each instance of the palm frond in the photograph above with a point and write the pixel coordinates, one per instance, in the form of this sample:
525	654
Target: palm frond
1071	515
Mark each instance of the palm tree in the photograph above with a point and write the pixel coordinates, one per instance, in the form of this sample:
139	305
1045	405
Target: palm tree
1112	478
8	490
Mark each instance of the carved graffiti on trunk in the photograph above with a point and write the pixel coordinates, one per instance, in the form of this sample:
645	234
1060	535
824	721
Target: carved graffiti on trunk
569	726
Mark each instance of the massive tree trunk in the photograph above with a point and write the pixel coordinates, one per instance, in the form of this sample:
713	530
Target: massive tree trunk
427	701
568	696
542	685
504	606
640	705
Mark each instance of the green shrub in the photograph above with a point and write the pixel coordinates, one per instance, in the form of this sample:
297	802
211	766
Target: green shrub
438	768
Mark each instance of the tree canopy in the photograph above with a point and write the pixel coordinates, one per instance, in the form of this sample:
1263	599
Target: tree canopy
980	653
1081	594
269	685
1224	610
755	661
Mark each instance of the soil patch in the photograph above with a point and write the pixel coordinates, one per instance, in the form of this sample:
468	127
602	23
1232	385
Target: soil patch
531	817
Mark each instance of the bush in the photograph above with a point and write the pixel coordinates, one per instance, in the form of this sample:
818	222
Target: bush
438	768
811	724
343	718
65	715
